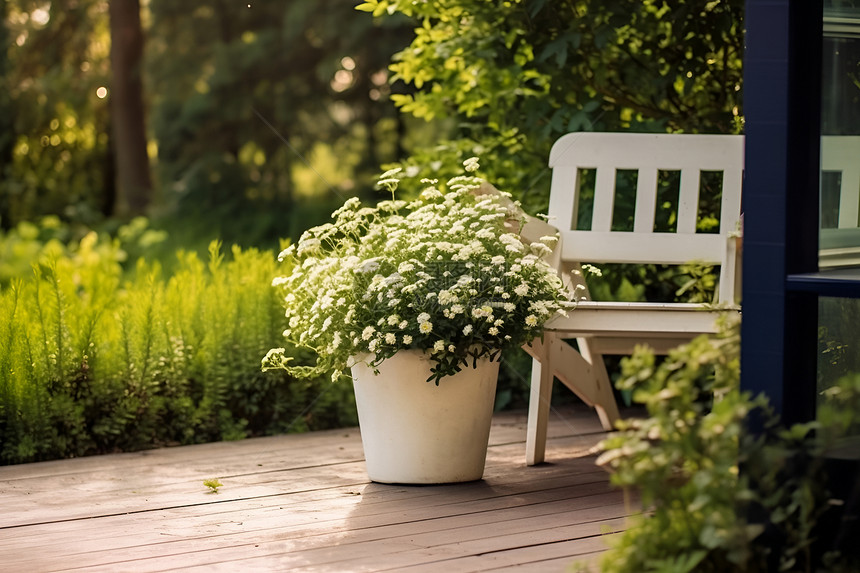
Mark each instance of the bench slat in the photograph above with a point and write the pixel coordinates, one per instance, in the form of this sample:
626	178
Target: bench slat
642	320
604	199
731	199
646	200
657	248
688	200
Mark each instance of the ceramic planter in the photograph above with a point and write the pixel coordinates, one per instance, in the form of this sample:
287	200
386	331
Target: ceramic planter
415	432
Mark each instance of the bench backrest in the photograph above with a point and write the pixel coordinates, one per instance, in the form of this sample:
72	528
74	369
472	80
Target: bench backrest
651	156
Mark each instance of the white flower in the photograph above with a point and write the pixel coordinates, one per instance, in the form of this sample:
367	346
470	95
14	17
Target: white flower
286	253
521	289
430	194
309	245
467	330
367	333
471	164
531	320
390	338
439	346
368	266
540	249
447	297
407	339
425	327
423	317
592	270
393	278
493	331
391	173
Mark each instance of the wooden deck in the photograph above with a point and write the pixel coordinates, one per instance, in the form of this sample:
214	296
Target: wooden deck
302	502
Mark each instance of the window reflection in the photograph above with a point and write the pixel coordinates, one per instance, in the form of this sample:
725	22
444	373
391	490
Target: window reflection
838	342
840	141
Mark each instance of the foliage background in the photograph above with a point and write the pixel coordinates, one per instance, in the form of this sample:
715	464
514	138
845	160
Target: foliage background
260	118
516	75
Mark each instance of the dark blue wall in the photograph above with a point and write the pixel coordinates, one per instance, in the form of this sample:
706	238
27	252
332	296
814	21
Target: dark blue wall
782	109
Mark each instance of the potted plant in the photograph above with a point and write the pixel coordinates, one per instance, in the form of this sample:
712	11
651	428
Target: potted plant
418	299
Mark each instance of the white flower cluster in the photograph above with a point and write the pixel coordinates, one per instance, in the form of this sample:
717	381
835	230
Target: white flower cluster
441	274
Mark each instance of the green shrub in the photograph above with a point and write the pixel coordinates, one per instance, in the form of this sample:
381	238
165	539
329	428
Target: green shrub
97	359
718	498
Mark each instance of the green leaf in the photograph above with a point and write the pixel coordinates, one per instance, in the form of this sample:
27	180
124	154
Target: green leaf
557	48
535	7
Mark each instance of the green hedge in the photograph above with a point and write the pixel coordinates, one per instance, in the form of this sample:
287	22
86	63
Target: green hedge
97	358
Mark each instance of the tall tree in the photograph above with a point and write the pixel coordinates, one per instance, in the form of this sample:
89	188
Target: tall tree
134	186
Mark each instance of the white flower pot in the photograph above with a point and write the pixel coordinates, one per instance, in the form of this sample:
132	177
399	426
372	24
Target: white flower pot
415	432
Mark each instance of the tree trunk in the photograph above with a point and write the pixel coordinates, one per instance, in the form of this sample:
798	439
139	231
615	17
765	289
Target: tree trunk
133	183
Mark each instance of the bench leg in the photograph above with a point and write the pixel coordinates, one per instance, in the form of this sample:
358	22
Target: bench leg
584	373
604	400
539	398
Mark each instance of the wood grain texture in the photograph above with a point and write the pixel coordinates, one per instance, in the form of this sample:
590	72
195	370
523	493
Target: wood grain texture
303	503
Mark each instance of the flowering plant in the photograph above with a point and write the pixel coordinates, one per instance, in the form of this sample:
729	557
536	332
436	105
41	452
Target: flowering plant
447	273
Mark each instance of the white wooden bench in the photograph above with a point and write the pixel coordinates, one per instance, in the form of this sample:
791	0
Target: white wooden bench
616	327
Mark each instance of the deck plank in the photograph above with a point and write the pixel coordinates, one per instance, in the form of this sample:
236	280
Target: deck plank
303	502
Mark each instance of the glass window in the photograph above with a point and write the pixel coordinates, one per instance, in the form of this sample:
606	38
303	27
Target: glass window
840	136
838	347
838	339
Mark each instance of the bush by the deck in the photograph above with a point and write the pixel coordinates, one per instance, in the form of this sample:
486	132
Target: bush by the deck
99	359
